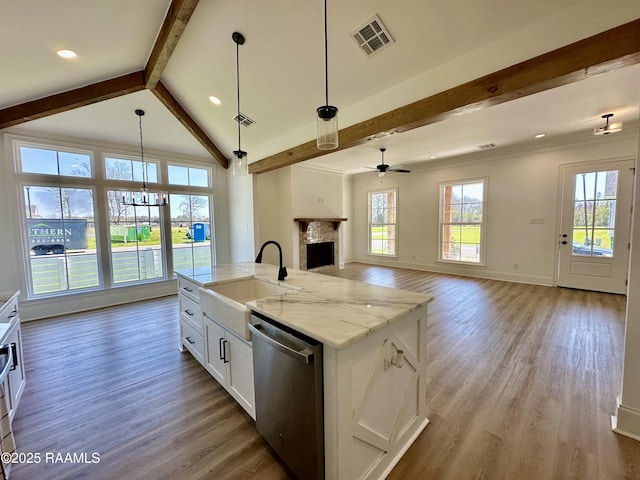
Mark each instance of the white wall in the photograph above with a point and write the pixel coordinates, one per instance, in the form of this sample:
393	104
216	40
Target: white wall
522	184
627	419
241	222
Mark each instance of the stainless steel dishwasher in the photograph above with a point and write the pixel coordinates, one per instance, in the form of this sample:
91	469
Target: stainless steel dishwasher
287	368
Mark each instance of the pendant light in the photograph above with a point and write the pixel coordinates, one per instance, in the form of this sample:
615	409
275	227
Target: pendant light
327	114
239	164
142	198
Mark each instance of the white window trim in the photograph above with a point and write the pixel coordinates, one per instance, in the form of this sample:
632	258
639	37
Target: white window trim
483	229
369	193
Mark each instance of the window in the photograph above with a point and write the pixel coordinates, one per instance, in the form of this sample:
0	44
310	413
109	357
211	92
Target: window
462	221
196	177
78	234
191	230
53	162
61	239
383	222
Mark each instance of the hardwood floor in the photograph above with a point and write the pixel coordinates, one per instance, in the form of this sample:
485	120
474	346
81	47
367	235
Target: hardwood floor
522	383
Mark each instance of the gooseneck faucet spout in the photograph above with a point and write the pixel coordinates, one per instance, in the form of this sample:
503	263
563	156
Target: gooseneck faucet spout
283	270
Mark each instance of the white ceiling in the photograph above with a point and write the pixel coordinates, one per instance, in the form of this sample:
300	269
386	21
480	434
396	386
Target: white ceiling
438	45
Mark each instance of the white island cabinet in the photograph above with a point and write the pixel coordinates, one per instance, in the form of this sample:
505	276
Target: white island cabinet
374	362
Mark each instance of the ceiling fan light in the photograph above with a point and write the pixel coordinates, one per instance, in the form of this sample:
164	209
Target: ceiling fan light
608	128
327	127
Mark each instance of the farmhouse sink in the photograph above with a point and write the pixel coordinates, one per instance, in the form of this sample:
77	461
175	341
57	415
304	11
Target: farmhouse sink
225	302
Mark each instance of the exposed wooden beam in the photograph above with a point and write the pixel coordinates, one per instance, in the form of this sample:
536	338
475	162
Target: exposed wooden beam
178	16
164	95
79	97
607	51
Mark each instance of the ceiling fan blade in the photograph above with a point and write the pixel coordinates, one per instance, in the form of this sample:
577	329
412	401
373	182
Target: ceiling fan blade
403	170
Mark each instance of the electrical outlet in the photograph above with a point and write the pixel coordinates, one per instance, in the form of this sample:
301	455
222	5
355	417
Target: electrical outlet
536	221
516	266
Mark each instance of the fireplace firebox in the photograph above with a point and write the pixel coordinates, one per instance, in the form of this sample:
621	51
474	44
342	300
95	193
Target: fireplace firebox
320	254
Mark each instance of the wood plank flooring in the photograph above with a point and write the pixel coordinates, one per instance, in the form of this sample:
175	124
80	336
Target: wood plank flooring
522	383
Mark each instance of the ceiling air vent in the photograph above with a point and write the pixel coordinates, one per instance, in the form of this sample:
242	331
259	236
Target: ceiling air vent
244	120
487	146
372	37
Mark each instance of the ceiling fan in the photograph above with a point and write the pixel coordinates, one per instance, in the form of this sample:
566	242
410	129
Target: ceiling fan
384	168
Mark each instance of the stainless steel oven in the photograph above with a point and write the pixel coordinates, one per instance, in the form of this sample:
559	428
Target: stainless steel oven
287	369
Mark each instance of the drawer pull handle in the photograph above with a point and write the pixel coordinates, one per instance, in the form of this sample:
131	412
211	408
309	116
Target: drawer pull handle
188	289
189	312
190	341
13	314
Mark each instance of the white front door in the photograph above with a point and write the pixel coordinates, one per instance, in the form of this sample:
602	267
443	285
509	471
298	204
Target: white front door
595	225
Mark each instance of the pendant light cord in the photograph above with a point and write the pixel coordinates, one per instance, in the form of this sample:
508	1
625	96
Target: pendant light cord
326	57
238	89
144	183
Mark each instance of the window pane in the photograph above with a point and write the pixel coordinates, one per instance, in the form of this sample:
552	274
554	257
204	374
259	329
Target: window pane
135	234
190	231
118	169
178	175
74	164
198	177
61	239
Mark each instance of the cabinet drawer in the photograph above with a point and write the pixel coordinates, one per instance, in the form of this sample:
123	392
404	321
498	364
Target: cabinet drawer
191	313
193	341
188	288
9	311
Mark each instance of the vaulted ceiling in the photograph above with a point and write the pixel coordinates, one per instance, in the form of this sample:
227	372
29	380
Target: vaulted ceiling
441	87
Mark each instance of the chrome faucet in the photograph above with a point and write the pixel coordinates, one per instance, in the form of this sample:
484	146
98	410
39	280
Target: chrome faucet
283	270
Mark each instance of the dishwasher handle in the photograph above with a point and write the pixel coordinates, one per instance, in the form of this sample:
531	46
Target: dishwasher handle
305	355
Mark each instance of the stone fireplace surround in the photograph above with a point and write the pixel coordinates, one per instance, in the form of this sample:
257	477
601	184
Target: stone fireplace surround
316	230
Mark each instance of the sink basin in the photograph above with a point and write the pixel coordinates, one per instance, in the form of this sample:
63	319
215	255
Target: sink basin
225	302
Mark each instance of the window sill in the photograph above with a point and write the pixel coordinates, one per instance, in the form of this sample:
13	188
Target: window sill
381	255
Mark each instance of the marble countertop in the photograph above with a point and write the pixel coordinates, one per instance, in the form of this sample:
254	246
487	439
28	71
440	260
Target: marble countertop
6	297
335	311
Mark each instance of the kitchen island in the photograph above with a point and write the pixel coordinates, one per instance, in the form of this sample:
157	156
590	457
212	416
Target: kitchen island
374	359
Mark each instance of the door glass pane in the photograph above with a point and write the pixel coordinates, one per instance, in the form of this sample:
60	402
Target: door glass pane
594	211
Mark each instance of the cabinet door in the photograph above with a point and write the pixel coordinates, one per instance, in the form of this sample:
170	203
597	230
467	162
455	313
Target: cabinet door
217	351
16	377
240	380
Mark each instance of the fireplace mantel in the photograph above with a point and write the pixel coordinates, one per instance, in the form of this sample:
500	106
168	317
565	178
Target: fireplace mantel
304	222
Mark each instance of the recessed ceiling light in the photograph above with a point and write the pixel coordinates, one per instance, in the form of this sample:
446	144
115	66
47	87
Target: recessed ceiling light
541	135
432	157
66	53
215	100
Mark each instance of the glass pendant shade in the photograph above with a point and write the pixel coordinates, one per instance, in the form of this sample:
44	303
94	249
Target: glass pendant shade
327	127
239	164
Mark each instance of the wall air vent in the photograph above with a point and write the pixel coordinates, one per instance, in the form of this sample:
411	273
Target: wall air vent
487	146
244	120
372	37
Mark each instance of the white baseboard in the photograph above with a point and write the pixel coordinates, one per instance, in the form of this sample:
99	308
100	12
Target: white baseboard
473	271
626	421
